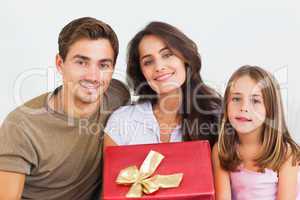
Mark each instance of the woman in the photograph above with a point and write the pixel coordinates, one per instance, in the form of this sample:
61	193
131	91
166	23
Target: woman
163	68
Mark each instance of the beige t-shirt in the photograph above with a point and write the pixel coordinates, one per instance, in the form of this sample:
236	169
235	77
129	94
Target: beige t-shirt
60	156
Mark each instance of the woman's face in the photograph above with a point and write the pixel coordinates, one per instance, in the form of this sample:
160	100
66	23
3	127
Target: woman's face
163	70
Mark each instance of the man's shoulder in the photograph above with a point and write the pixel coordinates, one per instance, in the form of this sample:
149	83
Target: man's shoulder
118	87
33	106
117	94
37	102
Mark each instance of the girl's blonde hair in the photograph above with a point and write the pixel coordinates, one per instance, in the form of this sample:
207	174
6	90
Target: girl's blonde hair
277	144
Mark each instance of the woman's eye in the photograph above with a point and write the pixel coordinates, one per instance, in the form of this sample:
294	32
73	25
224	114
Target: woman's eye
148	62
167	55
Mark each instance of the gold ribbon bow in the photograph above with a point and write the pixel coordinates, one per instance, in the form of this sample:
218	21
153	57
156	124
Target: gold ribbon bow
139	178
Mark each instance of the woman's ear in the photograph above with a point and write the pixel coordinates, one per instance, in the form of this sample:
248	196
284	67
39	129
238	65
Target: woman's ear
59	63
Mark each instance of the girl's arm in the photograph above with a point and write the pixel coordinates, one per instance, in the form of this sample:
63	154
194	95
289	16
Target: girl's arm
221	178
287	183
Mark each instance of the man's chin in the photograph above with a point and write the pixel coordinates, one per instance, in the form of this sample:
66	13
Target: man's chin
88	99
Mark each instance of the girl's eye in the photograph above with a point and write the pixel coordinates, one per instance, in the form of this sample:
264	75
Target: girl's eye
255	101
236	99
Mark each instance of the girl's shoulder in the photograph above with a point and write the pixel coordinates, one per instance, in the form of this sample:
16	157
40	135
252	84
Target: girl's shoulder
215	154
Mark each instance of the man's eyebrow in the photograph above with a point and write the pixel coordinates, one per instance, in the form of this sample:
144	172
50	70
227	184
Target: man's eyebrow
87	58
81	57
106	60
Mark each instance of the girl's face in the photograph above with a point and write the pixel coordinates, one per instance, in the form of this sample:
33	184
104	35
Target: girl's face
163	70
245	105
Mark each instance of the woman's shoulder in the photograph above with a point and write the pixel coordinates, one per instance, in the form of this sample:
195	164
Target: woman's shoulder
133	110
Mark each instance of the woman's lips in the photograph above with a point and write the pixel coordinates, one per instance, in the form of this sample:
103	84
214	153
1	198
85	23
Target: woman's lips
163	77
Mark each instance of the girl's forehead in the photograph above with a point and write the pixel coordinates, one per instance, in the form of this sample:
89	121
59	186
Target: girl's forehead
246	85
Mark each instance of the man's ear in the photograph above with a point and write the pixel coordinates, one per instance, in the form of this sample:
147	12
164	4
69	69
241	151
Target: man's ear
59	63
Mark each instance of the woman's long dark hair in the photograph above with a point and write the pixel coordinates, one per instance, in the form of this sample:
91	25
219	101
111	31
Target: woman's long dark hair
201	105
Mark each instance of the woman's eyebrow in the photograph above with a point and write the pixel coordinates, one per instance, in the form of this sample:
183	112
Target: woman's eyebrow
163	49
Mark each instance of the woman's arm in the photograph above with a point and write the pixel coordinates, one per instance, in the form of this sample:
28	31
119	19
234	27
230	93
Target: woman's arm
108	141
287	183
221	178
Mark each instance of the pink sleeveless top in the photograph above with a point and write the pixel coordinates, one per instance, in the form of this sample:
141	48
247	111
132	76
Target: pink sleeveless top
250	185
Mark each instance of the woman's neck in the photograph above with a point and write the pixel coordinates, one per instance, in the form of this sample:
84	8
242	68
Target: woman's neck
169	104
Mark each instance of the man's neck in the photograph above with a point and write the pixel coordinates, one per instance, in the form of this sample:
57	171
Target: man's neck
71	106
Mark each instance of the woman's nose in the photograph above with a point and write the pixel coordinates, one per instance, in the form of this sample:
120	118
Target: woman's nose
160	65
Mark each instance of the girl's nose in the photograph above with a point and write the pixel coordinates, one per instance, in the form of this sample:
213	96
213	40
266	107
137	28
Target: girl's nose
244	107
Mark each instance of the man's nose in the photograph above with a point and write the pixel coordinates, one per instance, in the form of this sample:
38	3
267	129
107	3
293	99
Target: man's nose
93	73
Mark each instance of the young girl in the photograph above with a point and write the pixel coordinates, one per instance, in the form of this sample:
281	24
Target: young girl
255	157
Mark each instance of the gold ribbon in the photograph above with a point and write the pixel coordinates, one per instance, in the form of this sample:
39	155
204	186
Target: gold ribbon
139	178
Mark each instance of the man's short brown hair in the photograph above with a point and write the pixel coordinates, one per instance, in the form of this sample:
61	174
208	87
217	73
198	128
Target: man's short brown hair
89	28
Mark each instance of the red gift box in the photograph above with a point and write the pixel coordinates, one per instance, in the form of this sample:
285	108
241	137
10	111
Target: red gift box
193	159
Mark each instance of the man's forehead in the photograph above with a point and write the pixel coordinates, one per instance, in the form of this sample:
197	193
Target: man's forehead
91	49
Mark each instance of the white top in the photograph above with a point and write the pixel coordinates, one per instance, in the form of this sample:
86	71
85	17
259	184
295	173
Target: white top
136	124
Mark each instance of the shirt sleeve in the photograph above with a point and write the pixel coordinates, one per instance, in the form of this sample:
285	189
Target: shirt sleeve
116	128
17	153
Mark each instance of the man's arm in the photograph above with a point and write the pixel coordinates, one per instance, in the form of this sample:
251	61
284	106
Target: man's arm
11	185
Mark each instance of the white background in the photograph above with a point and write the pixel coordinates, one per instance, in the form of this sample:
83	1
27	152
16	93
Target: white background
228	33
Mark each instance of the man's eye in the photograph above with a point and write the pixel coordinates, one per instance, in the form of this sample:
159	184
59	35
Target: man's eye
80	62
104	66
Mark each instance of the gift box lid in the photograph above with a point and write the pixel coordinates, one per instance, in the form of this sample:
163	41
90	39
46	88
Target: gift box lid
193	159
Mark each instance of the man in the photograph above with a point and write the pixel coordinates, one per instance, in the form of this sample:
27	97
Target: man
50	147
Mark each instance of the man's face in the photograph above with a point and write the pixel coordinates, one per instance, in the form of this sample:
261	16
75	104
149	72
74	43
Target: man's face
87	69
